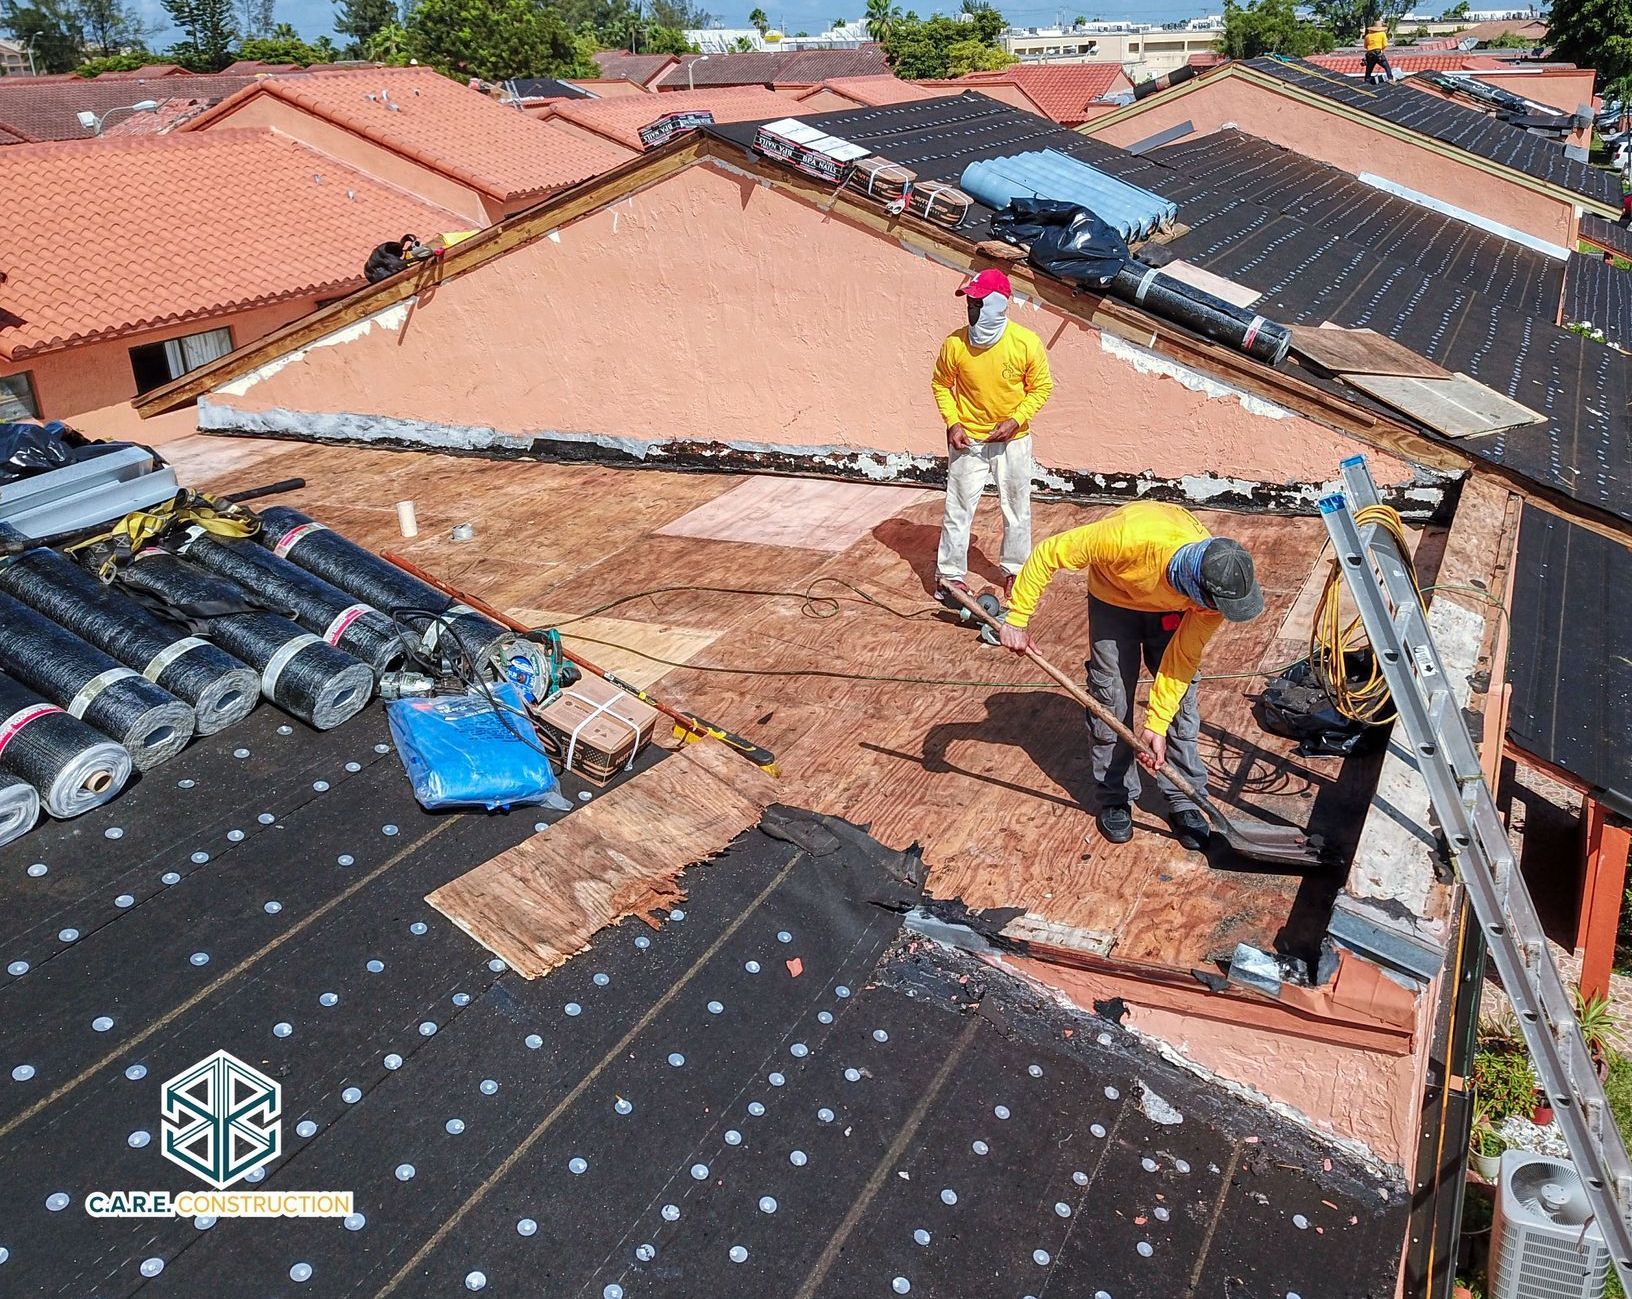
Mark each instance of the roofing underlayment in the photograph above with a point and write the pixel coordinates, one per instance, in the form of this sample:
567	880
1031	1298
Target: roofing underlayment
1599	294
771	1091
1569	664
105	237
1616	235
1451	123
448	127
1320	245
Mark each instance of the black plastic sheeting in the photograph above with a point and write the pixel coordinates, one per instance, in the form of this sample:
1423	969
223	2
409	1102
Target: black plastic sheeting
775	1076
27	449
1571	659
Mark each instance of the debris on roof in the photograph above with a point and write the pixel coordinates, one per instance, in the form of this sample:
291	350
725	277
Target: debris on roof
621	119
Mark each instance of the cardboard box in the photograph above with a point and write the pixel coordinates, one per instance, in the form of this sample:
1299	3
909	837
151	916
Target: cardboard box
672	124
594	728
811	151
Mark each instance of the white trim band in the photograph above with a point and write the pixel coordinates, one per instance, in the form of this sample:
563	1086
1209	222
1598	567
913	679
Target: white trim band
169	654
280	660
95	686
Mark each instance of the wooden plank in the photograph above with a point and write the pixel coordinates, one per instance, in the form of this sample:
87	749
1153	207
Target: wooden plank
1238	295
1608	843
1458	407
1360	351
806	513
538	905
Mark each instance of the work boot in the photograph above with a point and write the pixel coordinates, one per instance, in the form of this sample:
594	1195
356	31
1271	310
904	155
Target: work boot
1115	822
1191	829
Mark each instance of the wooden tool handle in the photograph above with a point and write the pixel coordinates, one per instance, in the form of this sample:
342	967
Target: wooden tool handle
1123	731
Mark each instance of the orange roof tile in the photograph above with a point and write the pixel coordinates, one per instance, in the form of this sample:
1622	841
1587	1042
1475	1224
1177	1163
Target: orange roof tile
622	117
876	91
450	128
1062	90
1354	65
107	237
642	69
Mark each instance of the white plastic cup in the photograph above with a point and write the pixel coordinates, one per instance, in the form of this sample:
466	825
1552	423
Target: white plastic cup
407	520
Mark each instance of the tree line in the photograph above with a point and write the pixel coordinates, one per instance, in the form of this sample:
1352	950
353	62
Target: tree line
492	39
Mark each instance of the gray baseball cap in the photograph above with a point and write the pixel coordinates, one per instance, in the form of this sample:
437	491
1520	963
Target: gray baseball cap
1228	578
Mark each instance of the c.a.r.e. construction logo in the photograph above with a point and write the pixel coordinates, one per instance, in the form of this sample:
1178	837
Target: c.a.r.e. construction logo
219	1119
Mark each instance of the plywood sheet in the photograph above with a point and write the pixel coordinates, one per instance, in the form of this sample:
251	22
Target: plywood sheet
1360	351
810	514
637	652
1237	295
1457	407
538	904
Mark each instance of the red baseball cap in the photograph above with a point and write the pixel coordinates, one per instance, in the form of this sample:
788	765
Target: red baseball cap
988	281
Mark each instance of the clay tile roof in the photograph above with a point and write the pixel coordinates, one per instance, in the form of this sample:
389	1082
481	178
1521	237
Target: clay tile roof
621	118
876	91
1062	90
170	114
39	108
1407	61
643	69
495	148
107	237
775	68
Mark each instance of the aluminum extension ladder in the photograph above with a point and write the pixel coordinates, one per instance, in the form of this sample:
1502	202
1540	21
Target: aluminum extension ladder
1378	578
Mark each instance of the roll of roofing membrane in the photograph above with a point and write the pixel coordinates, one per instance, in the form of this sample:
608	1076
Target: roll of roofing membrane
319	549
1162	295
321	607
73	674
19	808
70	767
300	672
220	689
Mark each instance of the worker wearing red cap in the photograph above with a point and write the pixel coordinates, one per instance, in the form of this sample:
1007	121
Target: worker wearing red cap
991	378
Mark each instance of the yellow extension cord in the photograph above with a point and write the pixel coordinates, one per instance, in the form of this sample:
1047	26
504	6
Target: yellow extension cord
1331	641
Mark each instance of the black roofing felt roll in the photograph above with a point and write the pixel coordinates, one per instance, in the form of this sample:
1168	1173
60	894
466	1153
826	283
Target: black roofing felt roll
19	808
73	674
300	672
1162	295
319	606
319	549
220	688
70	766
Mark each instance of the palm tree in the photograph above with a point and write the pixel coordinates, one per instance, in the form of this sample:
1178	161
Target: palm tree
759	22
972	7
838	22
882	17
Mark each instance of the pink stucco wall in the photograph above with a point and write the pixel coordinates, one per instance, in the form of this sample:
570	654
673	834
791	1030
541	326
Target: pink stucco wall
1351	146
711	307
1368	1096
469	204
76	379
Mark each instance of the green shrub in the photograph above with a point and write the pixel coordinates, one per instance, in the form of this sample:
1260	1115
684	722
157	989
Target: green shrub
1503	1081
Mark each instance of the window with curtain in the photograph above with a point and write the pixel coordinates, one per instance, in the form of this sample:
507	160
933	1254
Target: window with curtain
156	364
17	400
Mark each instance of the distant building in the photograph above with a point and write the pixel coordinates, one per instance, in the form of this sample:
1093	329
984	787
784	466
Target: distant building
1143	51
14	60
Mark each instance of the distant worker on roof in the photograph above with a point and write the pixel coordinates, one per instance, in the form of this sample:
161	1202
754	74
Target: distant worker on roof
1376	43
1159	586
991	378
393	256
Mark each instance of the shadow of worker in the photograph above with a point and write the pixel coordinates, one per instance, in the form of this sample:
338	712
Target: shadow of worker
917	544
1044	724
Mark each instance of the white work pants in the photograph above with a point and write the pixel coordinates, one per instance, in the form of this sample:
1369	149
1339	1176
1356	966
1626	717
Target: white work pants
966	475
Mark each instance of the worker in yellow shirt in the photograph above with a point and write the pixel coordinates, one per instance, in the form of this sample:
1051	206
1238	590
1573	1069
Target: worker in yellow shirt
1376	43
1159	586
990	381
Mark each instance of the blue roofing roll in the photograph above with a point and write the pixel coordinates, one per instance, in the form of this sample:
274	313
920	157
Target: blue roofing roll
1133	212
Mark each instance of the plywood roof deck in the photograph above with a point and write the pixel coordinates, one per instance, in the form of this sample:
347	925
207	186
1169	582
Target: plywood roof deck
983	771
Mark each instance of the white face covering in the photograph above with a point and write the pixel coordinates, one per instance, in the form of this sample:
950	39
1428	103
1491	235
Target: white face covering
992	321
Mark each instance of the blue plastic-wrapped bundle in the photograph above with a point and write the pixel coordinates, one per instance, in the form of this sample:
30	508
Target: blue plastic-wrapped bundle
461	751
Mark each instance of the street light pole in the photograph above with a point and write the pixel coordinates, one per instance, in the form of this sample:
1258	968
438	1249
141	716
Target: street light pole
92	123
691	75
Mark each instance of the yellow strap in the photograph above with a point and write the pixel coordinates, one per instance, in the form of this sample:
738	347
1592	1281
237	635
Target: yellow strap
185	509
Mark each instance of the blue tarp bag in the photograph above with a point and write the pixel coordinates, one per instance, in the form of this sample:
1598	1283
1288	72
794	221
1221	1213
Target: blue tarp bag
460	751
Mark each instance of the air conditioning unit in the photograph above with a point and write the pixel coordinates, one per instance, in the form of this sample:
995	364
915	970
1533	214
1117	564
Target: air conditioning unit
1544	1243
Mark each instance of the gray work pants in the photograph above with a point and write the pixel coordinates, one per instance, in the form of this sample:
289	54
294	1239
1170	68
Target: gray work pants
1121	639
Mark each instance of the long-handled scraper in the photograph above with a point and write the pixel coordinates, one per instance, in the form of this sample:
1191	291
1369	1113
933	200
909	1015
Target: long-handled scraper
1268	843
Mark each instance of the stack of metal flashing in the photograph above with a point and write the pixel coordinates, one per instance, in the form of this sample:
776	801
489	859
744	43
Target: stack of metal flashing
90	486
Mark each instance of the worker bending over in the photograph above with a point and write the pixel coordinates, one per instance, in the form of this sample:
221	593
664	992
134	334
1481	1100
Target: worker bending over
990	381
1376	43
1159	586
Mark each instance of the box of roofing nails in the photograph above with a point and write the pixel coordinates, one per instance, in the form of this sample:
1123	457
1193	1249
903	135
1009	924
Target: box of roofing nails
594	728
814	152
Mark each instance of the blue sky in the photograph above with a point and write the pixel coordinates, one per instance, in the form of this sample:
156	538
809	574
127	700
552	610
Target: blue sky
313	18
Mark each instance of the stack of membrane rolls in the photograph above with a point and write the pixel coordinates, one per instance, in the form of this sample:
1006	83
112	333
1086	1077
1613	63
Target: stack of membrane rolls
98	681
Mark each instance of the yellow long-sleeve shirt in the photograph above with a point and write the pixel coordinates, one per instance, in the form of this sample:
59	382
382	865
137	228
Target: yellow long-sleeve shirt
980	387
1126	554
1375	41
